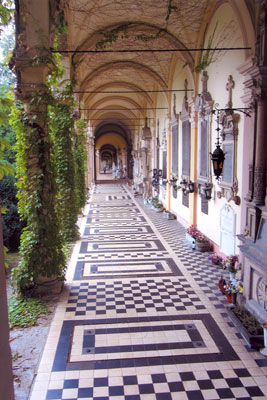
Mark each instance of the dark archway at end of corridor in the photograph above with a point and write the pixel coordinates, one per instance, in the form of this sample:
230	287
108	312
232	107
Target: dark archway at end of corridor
113	148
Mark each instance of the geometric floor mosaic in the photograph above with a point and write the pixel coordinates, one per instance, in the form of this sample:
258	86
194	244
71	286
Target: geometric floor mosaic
141	316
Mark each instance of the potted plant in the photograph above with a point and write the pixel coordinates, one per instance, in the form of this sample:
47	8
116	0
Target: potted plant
202	243
156	204
215	259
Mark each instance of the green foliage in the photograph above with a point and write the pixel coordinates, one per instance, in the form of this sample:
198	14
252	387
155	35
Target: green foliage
47	170
80	157
122	31
5	11
41	241
5	167
61	126
12	226
206	56
112	35
23	312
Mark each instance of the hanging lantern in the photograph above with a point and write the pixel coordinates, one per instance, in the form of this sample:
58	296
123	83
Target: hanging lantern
218	156
207	191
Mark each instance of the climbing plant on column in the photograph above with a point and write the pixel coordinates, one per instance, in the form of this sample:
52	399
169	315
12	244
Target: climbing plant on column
61	125
41	242
80	157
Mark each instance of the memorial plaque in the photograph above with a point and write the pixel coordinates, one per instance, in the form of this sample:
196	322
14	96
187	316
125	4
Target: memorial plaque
203	171
175	149
186	145
227	227
228	163
185	200
164	165
204	205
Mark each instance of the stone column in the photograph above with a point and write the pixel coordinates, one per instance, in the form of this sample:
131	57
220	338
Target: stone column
31	60
260	159
90	160
7	391
169	166
193	160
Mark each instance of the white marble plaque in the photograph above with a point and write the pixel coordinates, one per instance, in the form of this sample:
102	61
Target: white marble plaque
227	227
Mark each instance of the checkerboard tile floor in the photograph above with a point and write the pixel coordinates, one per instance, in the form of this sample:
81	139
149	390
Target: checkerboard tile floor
141	316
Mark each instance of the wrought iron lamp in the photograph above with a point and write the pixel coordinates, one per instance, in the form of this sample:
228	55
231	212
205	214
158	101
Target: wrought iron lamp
191	186
218	156
207	191
187	187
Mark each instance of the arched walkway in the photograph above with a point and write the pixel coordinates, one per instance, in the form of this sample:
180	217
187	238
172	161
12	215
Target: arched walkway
141	316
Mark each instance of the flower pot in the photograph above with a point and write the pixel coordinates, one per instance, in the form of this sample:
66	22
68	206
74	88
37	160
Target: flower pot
234	296
228	297
202	246
254	341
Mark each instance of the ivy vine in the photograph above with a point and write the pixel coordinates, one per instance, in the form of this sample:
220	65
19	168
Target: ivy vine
80	157
41	241
50	176
122	31
61	127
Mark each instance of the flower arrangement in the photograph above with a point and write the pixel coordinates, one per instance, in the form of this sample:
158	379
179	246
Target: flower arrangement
231	289
230	263
196	234
192	231
234	287
215	259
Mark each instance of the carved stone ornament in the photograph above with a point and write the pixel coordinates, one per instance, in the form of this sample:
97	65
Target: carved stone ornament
204	102
203	107
231	193
261	291
229	133
229	122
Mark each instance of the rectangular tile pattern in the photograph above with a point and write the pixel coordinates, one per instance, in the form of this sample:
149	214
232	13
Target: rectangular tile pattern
141	318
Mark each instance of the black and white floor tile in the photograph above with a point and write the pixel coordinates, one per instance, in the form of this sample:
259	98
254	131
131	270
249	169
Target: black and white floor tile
141	316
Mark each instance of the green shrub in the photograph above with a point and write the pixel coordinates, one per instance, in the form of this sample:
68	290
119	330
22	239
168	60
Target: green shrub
24	312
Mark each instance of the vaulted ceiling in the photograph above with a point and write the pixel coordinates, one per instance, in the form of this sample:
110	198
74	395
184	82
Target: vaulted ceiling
118	30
